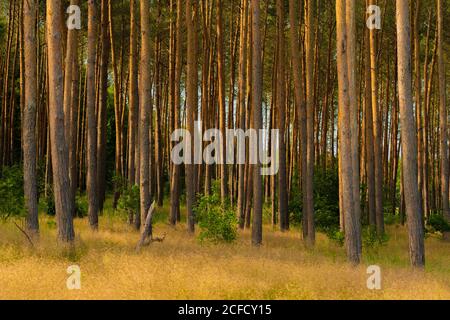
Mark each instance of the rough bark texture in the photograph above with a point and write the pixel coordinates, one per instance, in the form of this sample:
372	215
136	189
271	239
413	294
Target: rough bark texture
59	149
409	141
377	139
29	116
91	183
443	118
256	99
281	101
309	196
191	105
345	139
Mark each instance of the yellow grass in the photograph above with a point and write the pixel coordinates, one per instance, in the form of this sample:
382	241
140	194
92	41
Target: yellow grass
182	268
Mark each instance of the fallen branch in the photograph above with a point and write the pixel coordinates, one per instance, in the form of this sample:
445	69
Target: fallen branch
147	232
26	234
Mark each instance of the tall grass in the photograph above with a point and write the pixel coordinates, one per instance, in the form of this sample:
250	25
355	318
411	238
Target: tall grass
182	268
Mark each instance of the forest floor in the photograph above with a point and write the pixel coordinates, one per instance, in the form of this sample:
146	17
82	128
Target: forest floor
182	268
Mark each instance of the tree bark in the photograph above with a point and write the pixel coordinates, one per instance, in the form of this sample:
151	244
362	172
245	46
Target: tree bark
443	118
256	98
59	149
29	116
409	141
145	109
91	182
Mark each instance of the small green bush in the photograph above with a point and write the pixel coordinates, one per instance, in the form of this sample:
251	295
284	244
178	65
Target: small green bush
217	221
129	199
81	207
437	222
11	192
49	202
336	235
371	239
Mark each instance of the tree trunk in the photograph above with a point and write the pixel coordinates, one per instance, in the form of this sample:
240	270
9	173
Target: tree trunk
345	139
191	105
308	192
91	183
409	142
256	98
145	109
443	114
59	149
175	180
377	138
29	116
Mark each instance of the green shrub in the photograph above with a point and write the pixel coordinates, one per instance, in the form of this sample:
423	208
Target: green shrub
49	202
217	221
326	200
336	235
129	199
437	222
371	239
11	192
81	207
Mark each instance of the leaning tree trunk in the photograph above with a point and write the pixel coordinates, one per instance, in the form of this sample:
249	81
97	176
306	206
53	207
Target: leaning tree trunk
409	141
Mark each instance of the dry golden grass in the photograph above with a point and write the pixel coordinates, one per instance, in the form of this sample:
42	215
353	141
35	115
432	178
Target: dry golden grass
181	268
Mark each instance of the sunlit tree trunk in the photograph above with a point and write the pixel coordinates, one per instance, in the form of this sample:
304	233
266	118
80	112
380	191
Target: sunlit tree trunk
377	138
145	108
59	148
409	141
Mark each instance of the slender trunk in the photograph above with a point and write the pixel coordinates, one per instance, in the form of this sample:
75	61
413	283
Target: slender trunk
91	183
256	98
191	105
59	149
29	116
443	114
409	142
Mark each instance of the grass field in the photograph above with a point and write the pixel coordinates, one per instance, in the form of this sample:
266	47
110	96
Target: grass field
182	268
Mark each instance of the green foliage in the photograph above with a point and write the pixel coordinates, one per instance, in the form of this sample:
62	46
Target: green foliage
218	223
129	199
11	192
49	202
326	201
81	207
336	235
437	222
390	219
370	238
